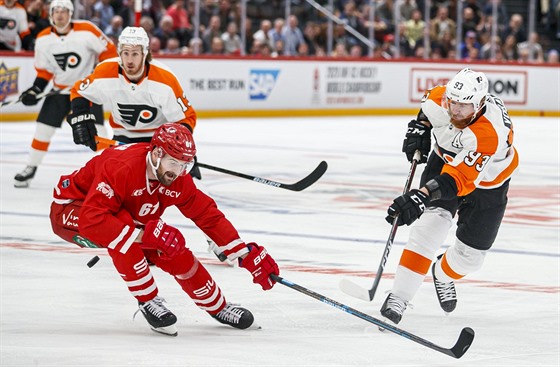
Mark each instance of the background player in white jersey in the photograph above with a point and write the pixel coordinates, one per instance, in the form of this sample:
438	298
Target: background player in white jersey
116	202
467	173
142	94
14	29
64	53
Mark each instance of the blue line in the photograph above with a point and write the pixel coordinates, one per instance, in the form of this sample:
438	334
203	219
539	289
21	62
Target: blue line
320	237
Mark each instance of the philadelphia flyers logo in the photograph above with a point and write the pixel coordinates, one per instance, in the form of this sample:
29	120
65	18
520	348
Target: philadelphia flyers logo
133	114
67	60
7	23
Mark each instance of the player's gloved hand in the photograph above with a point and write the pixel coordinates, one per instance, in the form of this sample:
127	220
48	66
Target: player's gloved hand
408	207
29	97
195	171
163	237
260	264
83	129
418	137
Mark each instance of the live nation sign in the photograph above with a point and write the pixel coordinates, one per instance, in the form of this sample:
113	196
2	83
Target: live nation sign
511	86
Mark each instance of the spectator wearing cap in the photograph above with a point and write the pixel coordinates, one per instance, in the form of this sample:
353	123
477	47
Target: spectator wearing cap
552	57
468	43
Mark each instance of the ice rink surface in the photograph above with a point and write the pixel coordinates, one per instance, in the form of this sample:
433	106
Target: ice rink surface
55	311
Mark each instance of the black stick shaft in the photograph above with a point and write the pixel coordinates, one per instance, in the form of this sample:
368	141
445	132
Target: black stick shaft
461	346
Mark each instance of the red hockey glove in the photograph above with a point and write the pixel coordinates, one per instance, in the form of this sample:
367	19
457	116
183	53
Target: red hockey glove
260	264
165	238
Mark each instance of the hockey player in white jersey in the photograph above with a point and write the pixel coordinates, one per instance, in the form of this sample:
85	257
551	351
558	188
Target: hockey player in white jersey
467	173
14	28
142	93
64	53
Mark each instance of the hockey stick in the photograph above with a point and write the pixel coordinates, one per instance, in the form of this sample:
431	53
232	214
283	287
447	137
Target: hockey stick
353	289
39	96
302	184
461	346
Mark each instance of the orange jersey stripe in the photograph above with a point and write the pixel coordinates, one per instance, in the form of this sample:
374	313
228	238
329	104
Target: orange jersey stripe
415	262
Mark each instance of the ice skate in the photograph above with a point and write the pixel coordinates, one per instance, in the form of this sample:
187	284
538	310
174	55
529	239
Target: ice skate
393	308
446	294
235	316
161	320
23	178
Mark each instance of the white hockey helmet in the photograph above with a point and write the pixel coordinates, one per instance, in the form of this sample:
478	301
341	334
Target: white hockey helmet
134	36
65	4
468	86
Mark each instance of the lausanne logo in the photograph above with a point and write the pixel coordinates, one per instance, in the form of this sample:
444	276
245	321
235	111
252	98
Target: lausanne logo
67	60
132	114
261	83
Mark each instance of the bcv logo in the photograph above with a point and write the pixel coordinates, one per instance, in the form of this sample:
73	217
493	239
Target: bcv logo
261	83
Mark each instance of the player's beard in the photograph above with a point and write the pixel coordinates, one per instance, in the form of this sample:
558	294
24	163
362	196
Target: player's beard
460	123
132	72
166	178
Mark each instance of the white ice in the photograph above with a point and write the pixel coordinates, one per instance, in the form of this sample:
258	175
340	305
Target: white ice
55	311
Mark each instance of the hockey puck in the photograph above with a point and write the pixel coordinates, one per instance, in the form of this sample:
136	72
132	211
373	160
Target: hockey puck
93	261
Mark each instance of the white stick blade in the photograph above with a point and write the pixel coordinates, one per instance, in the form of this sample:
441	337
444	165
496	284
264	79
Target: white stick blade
354	290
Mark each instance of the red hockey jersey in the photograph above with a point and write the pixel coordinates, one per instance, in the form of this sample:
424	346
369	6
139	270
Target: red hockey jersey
117	180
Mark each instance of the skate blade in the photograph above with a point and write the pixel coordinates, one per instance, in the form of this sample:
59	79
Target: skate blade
21	184
170	330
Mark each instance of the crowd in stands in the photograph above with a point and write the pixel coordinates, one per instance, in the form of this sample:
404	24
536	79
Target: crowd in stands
170	25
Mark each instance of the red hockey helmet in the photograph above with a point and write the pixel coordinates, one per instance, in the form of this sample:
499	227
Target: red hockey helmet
176	140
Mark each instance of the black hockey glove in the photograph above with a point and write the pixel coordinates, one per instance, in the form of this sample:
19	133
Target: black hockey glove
83	129
418	137
195	171
29	97
408	207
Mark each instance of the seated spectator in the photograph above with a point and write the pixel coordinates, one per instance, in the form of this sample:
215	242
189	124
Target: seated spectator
442	24
534	49
155	46
37	16
552	57
509	48
181	23
212	31
195	46
486	49
263	33
515	27
165	30
105	12
292	36
115	28
276	33
216	47
469	43
232	41
414	29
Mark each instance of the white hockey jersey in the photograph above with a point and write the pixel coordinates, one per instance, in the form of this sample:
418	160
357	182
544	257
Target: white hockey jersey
13	25
71	57
480	156
137	109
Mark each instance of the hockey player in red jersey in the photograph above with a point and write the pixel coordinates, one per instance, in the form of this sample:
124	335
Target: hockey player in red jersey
467	173
64	53
142	94
116	201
